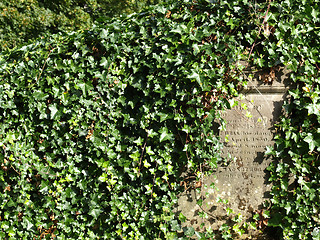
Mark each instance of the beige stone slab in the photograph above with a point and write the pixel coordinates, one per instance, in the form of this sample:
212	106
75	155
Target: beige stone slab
244	181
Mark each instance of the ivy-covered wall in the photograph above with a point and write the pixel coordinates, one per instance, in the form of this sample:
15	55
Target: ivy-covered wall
96	126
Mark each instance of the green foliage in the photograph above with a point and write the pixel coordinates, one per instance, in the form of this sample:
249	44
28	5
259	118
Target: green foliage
295	170
24	20
96	126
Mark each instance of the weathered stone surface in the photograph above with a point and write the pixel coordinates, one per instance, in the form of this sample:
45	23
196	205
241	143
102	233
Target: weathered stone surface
243	182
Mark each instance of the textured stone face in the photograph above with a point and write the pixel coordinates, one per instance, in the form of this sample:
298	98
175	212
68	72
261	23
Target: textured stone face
244	180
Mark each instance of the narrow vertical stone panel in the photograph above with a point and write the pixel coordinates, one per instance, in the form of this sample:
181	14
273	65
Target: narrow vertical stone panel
244	180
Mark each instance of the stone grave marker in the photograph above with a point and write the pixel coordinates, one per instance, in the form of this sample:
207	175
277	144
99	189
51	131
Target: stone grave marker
249	130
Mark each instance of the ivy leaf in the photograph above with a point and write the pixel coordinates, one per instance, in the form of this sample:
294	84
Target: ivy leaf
195	76
314	13
146	164
313	108
27	223
85	87
139	141
53	111
165	135
104	34
163	116
135	156
95	212
104	62
287	208
182	218
103	177
269	151
180	29
311	141
189	231
39	95
196	49
175	226
149	150
316	233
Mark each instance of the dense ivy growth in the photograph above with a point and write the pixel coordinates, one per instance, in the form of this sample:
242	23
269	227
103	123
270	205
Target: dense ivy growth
96	126
296	169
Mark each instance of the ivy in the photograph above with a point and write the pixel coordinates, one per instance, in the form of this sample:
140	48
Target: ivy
295	170
96	126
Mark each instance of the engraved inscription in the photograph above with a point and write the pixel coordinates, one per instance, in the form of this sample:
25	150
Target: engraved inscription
245	140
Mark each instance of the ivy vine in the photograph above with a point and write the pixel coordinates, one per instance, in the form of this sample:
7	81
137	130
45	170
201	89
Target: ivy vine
96	126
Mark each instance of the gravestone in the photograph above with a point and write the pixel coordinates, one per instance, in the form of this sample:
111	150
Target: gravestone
249	130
